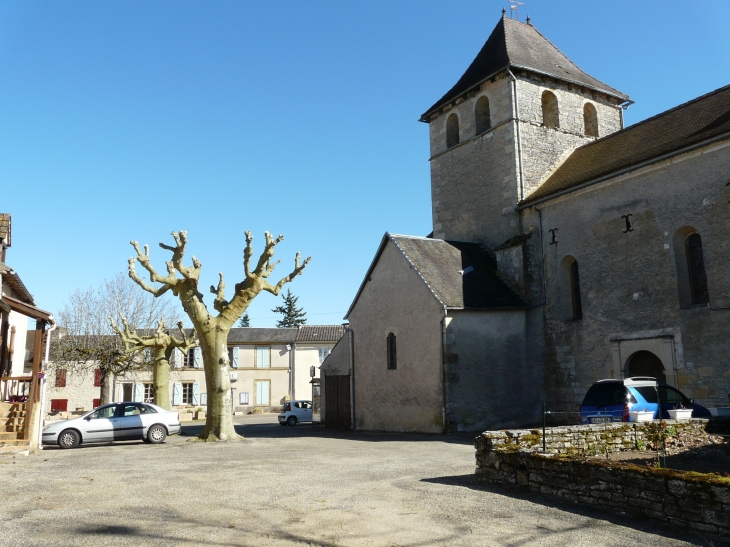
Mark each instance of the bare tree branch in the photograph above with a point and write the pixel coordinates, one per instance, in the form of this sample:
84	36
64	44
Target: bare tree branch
220	301
298	268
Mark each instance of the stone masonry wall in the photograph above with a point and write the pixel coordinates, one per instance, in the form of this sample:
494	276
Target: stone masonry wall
579	440
689	499
664	494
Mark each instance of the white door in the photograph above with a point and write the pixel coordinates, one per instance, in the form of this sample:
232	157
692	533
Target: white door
262	393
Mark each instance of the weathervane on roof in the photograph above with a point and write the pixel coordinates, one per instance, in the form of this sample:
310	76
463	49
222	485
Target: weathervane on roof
515	6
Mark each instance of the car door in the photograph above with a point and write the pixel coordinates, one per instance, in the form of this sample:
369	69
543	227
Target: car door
129	424
671	399
306	411
99	425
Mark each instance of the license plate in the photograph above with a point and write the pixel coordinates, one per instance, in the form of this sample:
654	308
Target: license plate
600	419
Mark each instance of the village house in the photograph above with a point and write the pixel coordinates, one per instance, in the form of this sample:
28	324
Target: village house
269	366
20	369
565	249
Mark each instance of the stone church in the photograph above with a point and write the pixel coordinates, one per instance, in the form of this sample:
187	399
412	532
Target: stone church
566	248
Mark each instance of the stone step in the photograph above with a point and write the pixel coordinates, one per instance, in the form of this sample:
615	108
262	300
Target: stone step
21	449
6	436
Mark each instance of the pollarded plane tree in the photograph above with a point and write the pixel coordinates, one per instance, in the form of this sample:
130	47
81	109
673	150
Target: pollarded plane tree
161	344
213	330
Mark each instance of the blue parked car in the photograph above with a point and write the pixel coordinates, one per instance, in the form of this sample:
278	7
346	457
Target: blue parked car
614	400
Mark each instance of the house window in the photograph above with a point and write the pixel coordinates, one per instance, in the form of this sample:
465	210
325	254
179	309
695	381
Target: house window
590	120
392	352
696	269
97	377
187	393
243	398
577	307
189	360
263	392
323	353
550	114
60	378
263	357
452	130
149	394
60	405
481	113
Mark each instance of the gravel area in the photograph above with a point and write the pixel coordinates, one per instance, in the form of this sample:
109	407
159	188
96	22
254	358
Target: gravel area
292	486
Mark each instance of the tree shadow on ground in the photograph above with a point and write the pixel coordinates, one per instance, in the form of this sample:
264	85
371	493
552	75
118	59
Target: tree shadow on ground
275	431
523	493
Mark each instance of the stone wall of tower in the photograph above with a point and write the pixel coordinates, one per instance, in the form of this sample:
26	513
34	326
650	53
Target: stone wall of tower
545	148
474	184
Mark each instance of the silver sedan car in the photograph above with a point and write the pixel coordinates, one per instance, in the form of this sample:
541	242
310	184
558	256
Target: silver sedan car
115	422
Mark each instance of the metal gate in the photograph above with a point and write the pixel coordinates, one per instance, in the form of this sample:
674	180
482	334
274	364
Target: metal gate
337	401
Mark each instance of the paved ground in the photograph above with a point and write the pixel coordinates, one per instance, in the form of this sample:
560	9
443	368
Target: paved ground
291	486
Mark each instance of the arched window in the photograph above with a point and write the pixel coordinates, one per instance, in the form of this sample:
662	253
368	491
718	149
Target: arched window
392	353
452	130
590	120
576	305
550	115
481	112
690	263
696	269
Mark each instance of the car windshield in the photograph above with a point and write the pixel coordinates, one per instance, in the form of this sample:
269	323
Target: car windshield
648	393
606	394
667	395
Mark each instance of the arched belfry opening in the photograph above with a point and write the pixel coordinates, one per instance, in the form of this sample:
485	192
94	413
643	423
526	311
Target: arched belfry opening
550	113
452	130
590	120
645	363
481	113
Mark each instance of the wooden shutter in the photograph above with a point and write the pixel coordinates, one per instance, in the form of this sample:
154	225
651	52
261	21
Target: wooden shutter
176	393
234	361
262	393
138	393
97	377
196	358
196	394
96	403
262	357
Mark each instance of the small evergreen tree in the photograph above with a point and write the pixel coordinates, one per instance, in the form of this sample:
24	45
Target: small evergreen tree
293	316
245	320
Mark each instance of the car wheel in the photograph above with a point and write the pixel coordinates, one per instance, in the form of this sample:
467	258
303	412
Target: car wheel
68	439
156	434
291	420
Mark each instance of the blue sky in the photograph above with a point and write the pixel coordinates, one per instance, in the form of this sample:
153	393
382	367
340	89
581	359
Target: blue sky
128	120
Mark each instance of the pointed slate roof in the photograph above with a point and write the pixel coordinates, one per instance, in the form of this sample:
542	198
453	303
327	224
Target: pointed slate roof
692	124
459	275
519	45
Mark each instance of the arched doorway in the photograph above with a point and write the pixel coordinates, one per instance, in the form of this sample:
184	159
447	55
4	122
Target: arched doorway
645	363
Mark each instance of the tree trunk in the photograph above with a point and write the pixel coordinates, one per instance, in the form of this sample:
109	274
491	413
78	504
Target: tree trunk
106	389
219	416
161	378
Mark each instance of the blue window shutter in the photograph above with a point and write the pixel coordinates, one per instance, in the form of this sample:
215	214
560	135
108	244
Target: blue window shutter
197	358
234	364
138	393
176	393
196	394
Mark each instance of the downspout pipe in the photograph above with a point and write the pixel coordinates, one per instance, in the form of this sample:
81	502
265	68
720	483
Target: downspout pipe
42	411
443	372
519	136
352	374
542	256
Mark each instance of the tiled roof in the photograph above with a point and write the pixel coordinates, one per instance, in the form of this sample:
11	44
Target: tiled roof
320	333
16	284
251	335
458	274
689	124
520	45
